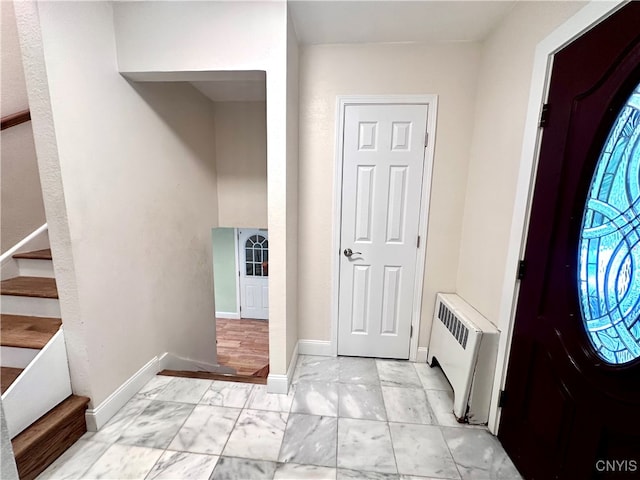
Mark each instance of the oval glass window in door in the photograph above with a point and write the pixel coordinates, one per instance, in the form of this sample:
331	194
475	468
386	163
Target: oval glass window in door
609	248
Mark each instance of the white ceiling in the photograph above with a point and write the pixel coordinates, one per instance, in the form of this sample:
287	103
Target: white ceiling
378	21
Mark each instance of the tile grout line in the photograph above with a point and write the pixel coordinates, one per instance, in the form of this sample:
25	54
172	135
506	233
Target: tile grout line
185	421
235	423
384	403
298	363
310	415
393	449
338	419
90	465
295	370
450	452
432	412
440	427
154	464
247	409
338	416
166	449
187	417
116	440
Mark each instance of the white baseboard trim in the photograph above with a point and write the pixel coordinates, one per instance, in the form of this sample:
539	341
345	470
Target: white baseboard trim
231	315
421	357
315	347
277	384
280	383
97	417
163	361
169	361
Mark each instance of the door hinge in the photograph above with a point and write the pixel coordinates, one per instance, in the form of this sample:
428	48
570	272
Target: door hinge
522	269
426	139
502	398
418	242
411	332
544	116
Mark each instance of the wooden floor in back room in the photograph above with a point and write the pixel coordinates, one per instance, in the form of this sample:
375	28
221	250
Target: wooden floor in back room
243	344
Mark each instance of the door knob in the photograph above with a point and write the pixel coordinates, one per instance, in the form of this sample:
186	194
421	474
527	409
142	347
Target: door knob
348	252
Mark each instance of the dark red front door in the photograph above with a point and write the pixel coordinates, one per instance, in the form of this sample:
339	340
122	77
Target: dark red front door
572	407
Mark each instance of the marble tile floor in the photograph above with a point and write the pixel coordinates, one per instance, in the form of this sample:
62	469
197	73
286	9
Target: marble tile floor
344	418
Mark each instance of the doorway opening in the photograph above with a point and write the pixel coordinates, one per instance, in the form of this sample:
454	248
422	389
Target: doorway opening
240	133
234	107
241	295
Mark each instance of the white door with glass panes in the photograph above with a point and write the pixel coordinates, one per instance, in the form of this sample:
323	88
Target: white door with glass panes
254	273
382	166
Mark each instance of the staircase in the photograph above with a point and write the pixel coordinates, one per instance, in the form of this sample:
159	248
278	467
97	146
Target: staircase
43	417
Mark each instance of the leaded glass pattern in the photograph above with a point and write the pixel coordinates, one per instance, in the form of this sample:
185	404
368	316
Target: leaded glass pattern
256	250
609	250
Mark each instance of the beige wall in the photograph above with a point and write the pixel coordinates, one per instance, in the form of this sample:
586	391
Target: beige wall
292	187
135	278
22	210
448	70
500	110
226	36
241	163
12	87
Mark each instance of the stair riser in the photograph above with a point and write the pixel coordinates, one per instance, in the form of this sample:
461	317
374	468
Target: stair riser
33	306
47	439
17	357
43	455
29	267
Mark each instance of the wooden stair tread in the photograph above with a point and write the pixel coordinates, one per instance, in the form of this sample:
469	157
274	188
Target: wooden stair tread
30	287
214	376
39	445
35	255
27	332
8	376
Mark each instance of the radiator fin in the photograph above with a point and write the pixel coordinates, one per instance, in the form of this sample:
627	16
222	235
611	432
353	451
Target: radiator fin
458	329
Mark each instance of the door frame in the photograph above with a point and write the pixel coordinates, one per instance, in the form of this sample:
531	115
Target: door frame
583	20
236	240
431	101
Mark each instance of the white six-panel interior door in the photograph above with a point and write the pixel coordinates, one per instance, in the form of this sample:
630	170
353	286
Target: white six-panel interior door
383	158
253	246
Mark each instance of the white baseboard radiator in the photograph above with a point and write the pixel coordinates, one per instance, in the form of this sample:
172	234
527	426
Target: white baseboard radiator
465	345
